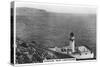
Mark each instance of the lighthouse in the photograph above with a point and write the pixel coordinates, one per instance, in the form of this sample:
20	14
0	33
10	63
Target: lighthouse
72	42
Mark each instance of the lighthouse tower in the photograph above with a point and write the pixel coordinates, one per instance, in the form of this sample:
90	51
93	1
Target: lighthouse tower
72	42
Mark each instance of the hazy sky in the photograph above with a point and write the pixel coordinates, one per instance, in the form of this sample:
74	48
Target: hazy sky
59	8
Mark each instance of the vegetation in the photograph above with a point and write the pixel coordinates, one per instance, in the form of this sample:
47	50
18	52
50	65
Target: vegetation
31	53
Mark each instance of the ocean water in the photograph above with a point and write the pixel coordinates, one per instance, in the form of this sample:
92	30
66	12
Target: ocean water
53	29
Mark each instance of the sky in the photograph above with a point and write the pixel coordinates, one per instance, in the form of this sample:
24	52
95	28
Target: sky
59	8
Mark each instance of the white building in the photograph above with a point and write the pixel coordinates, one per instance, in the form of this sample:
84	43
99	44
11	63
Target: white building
82	52
72	44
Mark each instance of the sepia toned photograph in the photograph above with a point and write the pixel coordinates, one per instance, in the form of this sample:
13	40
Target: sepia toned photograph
43	33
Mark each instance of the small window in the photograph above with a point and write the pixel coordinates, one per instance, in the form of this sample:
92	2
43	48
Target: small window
62	50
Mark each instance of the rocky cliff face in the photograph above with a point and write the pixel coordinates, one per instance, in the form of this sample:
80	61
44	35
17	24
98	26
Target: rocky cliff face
31	53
